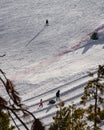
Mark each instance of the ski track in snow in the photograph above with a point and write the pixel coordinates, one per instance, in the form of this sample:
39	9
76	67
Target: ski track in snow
76	87
67	96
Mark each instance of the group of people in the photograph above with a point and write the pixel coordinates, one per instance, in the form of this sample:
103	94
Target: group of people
57	99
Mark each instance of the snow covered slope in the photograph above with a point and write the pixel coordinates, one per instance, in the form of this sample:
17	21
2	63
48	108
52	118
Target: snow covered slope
42	59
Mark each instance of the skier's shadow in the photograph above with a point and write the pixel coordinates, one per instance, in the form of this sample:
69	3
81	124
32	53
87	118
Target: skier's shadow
49	108
51	104
36	35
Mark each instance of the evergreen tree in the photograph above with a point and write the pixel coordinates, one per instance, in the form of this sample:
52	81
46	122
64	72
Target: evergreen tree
13	105
5	122
37	125
60	118
76	119
94	90
69	118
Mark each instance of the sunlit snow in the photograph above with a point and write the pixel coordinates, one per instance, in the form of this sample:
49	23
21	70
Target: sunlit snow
42	59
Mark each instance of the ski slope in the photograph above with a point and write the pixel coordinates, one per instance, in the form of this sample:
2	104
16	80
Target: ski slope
42	59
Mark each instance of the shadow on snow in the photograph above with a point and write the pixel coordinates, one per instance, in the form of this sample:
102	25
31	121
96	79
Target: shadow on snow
90	43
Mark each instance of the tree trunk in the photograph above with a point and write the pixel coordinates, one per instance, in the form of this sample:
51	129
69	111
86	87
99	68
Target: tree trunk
95	110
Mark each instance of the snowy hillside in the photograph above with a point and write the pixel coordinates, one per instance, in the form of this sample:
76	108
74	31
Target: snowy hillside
43	59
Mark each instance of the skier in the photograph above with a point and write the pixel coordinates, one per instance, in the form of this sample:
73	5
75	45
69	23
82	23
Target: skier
47	22
58	95
41	103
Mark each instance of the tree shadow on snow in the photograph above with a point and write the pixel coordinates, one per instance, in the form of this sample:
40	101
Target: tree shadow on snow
49	108
90	43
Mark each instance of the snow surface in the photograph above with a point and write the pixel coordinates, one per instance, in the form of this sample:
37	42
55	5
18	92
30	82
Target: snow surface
43	59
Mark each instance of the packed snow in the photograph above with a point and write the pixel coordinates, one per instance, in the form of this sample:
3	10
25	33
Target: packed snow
42	59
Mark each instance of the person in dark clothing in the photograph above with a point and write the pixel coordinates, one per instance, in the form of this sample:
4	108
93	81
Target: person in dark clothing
58	95
47	22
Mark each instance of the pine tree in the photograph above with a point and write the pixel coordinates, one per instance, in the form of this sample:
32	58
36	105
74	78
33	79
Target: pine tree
13	105
37	125
94	91
60	118
69	118
5	122
76	119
